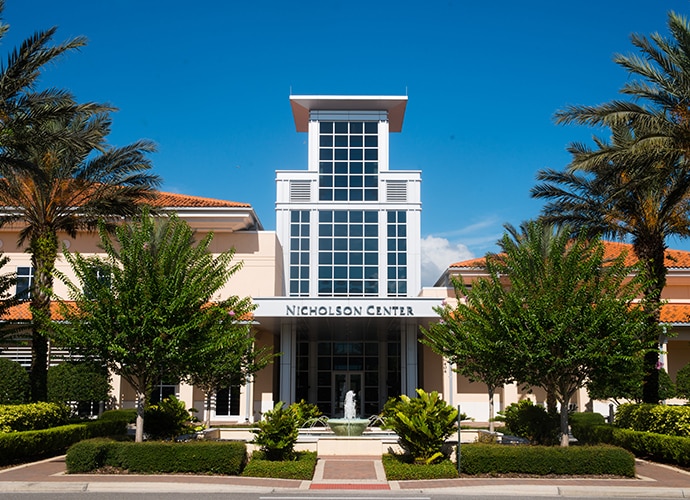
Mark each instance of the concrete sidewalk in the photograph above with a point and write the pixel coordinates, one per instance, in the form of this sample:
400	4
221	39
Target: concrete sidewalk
340	473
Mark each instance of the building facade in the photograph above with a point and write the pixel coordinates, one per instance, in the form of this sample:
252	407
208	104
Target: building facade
338	283
349	227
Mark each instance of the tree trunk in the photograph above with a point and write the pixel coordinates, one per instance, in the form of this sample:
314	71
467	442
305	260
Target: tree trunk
207	416
491	411
565	435
141	404
551	401
652	253
43	256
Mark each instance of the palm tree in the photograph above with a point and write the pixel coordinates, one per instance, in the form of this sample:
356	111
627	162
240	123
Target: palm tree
20	103
57	173
66	185
637	185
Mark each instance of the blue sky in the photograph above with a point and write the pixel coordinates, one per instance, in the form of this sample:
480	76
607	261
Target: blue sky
209	82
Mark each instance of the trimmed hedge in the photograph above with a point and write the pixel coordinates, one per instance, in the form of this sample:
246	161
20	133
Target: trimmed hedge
657	447
22	446
399	468
659	419
128	415
198	457
545	460
33	417
300	468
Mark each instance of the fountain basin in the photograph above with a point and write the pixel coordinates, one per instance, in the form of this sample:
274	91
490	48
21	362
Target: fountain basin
348	426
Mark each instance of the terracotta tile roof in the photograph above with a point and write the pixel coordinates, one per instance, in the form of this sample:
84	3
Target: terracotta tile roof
21	313
677	259
174	200
675	313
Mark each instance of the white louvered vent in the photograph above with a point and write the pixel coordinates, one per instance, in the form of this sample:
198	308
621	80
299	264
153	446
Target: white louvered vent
396	191
300	191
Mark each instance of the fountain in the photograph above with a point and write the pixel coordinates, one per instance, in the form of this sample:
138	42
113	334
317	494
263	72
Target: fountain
349	425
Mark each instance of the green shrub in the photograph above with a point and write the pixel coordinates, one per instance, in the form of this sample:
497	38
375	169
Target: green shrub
423	424
400	468
545	460
81	382
659	419
167	419
277	433
88	455
196	457
34	416
18	447
14	383
683	382
532	422
583	424
667	389
128	415
302	467
305	412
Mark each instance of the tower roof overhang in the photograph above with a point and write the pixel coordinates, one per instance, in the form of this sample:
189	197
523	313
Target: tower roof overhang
303	104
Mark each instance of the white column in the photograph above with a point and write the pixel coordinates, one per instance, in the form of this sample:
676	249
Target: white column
116	384
287	362
510	396
410	368
663	351
186	394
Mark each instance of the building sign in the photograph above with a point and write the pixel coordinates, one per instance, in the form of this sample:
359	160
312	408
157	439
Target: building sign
348	310
328	307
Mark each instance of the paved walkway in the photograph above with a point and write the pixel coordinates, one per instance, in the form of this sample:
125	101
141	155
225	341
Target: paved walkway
340	473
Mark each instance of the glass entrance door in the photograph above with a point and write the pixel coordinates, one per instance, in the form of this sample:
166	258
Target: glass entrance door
343	382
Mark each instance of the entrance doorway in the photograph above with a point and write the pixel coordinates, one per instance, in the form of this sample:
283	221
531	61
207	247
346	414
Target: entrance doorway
364	359
342	383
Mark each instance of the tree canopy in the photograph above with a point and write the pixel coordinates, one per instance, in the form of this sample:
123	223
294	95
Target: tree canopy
554	309
150	305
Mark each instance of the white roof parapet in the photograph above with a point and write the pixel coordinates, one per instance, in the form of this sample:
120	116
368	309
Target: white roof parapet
303	104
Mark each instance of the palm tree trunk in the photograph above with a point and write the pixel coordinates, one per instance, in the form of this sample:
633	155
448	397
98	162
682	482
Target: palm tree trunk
43	257
652	254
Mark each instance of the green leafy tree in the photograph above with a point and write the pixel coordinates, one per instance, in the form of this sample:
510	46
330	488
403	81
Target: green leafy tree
638	184
422	424
225	354
14	383
566	311
471	336
145	321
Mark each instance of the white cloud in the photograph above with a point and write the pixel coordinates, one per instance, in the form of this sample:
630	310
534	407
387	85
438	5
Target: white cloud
437	255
